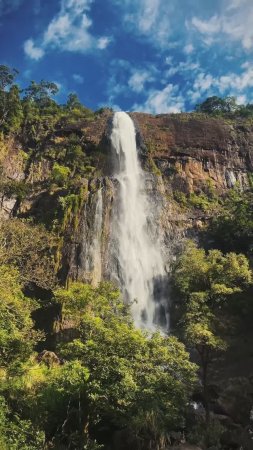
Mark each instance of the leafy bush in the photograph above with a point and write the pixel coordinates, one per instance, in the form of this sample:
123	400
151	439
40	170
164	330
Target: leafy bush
232	228
18	434
60	174
30	248
15	188
17	336
180	197
137	382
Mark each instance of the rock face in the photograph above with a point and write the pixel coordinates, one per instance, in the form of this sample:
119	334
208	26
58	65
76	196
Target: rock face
199	148
88	258
196	147
181	153
184	154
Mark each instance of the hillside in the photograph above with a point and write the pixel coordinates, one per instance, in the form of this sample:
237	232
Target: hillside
75	372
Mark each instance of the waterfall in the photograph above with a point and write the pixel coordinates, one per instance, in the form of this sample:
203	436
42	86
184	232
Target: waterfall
140	266
92	260
96	244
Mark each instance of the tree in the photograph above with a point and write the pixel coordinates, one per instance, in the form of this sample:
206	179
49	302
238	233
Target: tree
232	229
7	76
14	116
73	102
17	336
18	434
59	394
41	93
41	113
136	383
74	110
218	106
8	100
30	248
205	282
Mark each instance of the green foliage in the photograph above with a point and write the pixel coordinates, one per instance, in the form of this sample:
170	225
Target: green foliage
58	403
75	110
137	382
40	119
205	201
224	107
205	282
200	434
214	274
18	434
154	167
180	197
110	375
217	106
31	249
40	93
60	174
14	111
232	229
14	188
17	336
73	102
201	201
50	399
11	113
7	76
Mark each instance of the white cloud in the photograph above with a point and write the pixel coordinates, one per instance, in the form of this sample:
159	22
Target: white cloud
193	96
58	29
234	24
181	68
32	51
203	82
168	60
167	100
78	78
230	84
103	42
211	26
69	30
188	49
149	18
138	79
241	99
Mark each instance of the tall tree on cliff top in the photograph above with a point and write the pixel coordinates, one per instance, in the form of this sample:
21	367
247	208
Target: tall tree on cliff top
8	98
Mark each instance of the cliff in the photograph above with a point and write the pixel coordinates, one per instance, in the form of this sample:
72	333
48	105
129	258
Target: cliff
199	149
65	183
189	160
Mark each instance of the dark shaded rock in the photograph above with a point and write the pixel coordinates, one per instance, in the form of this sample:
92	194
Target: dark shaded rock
236	400
45	319
186	447
49	358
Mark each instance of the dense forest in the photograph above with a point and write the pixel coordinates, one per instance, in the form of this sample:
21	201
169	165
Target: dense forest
104	384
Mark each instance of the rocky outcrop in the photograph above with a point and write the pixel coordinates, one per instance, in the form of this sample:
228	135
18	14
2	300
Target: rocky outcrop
199	149
189	149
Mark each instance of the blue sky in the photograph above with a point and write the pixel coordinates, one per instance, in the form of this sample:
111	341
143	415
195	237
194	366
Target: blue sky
155	56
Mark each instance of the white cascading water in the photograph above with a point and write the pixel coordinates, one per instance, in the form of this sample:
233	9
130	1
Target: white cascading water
96	244
92	262
141	272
